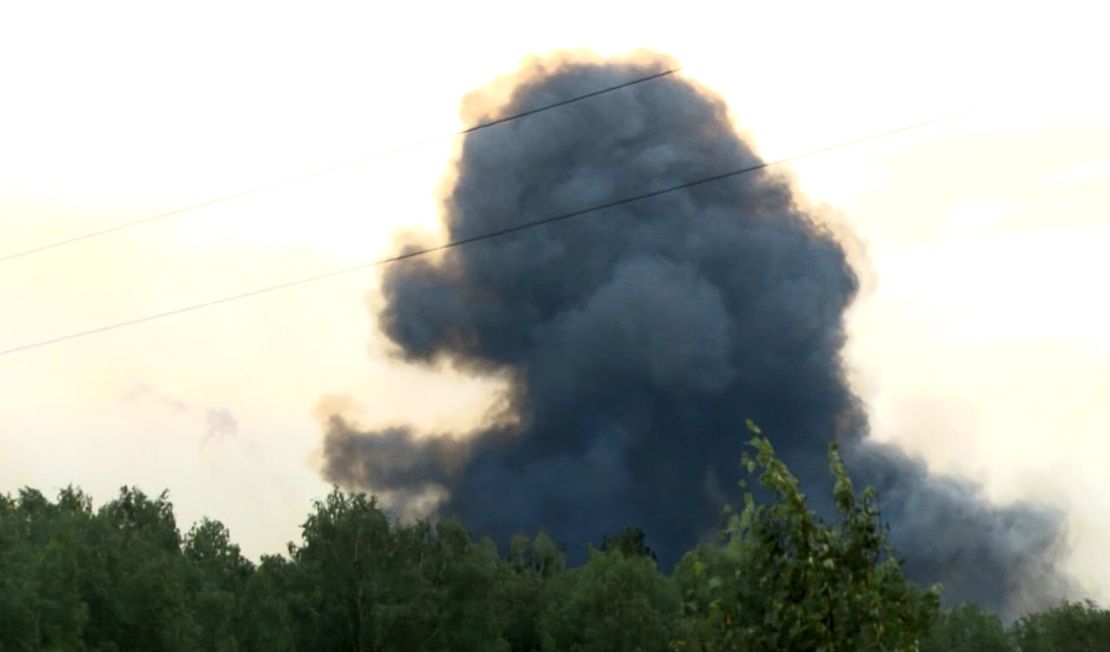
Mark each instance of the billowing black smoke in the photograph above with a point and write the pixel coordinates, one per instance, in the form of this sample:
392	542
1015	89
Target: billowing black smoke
638	340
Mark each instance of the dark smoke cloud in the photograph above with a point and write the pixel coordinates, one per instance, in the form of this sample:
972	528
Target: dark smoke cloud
636	342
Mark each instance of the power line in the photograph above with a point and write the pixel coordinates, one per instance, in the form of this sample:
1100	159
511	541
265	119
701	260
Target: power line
331	168
468	240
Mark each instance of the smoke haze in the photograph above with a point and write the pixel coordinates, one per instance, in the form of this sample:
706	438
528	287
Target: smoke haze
637	340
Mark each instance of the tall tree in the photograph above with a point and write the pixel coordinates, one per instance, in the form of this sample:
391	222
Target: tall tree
789	581
136	584
614	603
630	542
40	583
967	628
218	575
363	583
1070	627
267	623
525	588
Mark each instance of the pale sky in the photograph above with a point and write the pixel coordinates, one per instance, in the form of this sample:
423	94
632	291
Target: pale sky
981	340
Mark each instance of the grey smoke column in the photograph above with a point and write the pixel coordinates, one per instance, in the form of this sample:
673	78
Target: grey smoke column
638	340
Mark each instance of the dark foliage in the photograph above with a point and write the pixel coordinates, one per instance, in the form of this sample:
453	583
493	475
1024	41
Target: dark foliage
123	578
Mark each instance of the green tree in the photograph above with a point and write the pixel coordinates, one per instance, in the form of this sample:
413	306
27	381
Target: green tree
630	542
967	628
523	589
339	570
362	583
792	582
1070	627
218	575
458	577
135	577
123	578
614	603
40	597
42	549
267	623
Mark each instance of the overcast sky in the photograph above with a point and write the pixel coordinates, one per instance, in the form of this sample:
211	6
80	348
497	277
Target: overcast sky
981	340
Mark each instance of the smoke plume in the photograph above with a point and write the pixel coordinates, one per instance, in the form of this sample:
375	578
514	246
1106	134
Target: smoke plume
637	340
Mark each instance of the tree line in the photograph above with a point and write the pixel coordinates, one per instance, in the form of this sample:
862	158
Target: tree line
123	577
